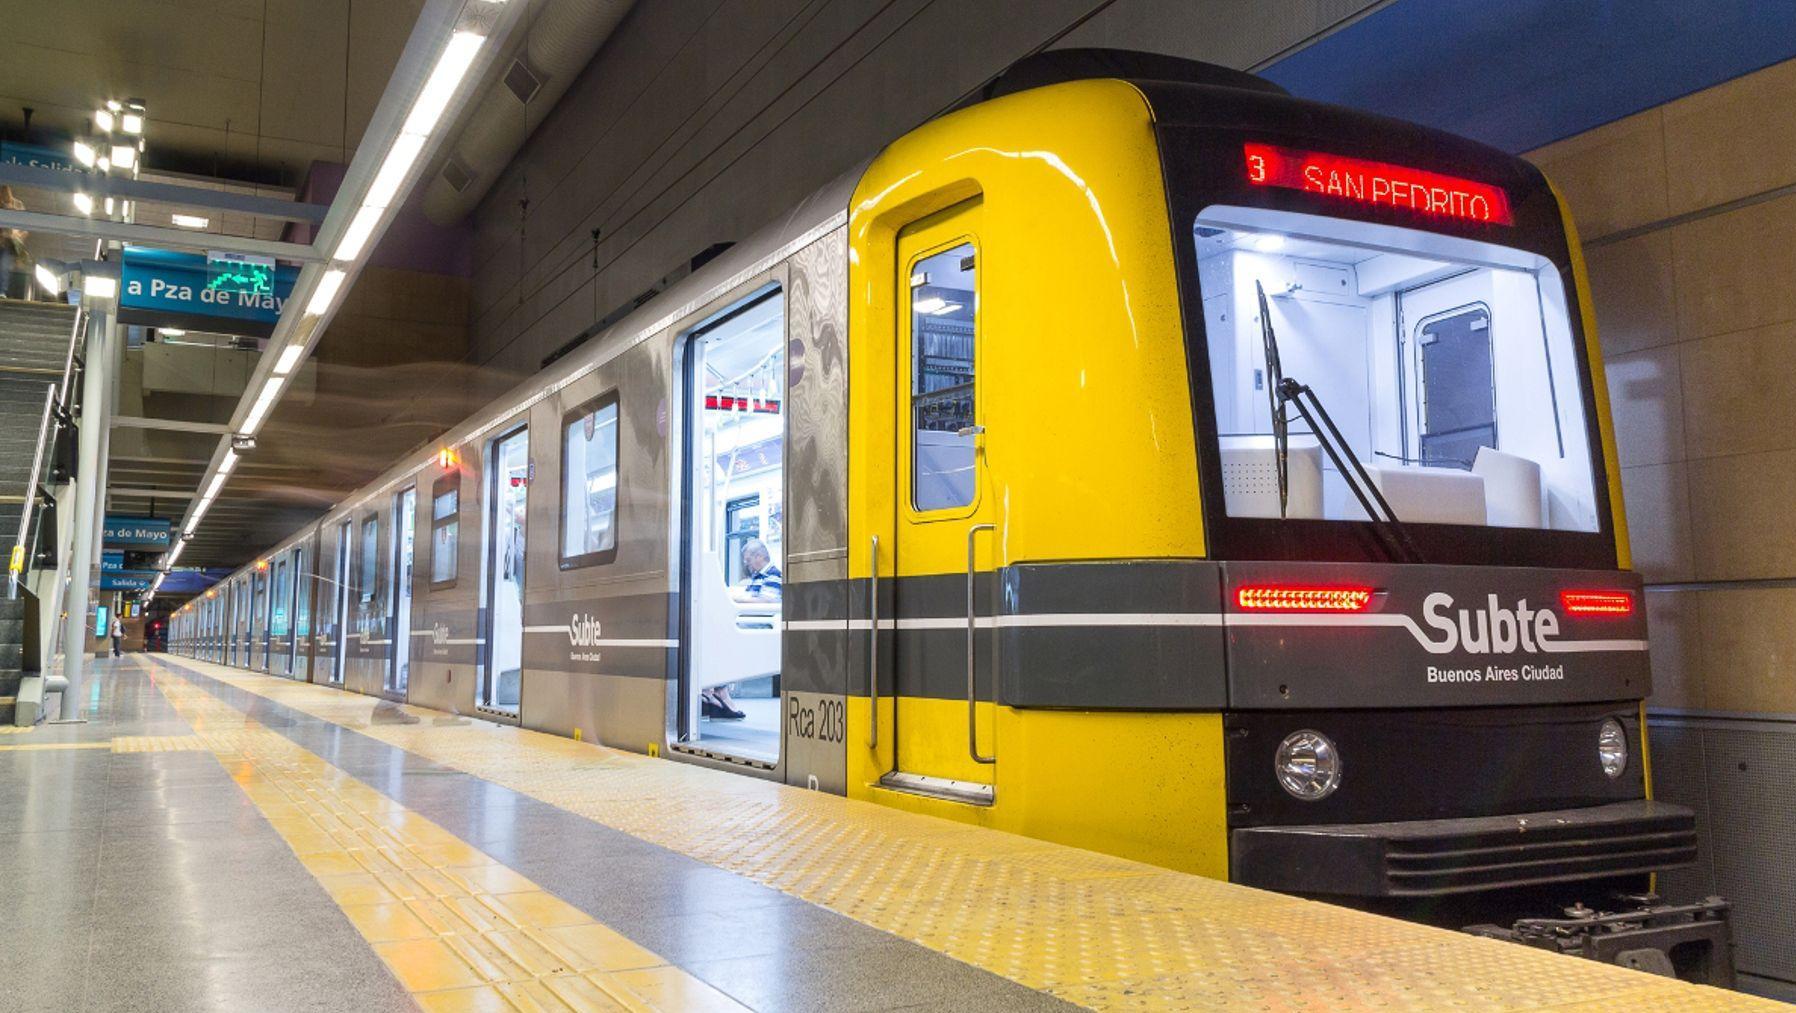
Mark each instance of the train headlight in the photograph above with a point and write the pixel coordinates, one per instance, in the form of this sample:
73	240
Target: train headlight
1308	765
1612	747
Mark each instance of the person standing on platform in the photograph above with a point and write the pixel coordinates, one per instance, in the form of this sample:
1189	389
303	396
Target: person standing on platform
118	638
12	252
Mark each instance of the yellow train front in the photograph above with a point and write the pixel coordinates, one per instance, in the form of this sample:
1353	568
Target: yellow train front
1231	487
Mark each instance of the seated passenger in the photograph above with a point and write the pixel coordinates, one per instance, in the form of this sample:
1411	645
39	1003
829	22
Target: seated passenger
763	584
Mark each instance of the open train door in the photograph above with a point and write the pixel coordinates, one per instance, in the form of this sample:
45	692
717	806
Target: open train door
943	525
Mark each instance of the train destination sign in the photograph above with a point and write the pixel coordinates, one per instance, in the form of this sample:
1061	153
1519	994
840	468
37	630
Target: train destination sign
1379	183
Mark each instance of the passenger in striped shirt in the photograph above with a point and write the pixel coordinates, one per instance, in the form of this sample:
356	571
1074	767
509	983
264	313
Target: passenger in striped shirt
763	576
763	584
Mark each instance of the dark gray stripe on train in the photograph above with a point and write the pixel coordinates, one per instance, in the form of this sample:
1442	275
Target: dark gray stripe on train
1157	664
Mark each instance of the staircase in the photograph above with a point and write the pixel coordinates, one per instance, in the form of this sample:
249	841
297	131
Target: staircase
34	346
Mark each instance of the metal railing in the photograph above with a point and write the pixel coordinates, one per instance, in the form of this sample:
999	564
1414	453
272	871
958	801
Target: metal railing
58	411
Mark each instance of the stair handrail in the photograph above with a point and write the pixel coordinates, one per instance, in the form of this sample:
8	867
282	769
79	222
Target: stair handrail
34	481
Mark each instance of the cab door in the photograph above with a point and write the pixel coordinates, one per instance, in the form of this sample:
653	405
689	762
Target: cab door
943	523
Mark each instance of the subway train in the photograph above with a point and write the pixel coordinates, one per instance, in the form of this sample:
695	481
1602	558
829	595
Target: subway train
1134	456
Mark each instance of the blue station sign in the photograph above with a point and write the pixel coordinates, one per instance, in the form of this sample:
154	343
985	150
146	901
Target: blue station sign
147	532
35	155
169	288
112	561
127	580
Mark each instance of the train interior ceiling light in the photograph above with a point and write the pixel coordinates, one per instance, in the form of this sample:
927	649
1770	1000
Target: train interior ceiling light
1447	364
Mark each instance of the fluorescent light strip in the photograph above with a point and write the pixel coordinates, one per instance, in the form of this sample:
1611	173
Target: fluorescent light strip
451	67
99	287
270	391
191	221
356	236
290	357
405	151
218	482
325	293
84	203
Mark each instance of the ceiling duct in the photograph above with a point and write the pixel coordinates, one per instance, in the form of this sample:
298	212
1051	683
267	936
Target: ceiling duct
558	43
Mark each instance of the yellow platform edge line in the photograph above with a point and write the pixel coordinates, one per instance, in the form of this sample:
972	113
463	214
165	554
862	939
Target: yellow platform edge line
458	929
1093	929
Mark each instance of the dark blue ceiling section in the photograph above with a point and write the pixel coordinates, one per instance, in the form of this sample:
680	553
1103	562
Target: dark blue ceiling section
1521	73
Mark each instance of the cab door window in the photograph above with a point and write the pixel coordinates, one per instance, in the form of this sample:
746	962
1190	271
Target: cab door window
943	307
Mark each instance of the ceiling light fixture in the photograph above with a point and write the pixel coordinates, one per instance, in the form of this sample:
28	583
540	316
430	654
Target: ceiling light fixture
451	67
270	391
325	293
191	221
290	357
356	236
83	203
405	151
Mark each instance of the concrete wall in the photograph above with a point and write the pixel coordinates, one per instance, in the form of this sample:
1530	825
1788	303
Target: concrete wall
1688	215
700	121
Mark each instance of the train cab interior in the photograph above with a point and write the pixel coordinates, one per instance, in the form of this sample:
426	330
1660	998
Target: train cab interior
735	532
1448	366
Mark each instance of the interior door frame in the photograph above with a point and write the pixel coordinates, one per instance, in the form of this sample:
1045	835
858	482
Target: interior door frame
401	587
486	685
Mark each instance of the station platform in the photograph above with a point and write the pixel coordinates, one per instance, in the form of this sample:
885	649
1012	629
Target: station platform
213	839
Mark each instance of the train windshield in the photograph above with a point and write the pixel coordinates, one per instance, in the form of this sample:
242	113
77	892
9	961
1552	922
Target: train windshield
1447	366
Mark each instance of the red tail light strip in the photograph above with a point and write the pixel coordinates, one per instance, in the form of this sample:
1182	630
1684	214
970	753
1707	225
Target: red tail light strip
1597	603
1300	598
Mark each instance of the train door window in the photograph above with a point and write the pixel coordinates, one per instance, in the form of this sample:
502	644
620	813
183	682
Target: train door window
370	558
279	613
405	509
259	617
245	623
340	603
741	525
445	524
943	310
589	483
734	533
302	611
1458	388
508	469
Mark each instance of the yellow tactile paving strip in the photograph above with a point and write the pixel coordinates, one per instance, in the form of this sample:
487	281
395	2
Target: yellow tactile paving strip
1099	931
459	930
157	744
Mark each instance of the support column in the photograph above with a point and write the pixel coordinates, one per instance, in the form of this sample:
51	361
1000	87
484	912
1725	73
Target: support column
90	486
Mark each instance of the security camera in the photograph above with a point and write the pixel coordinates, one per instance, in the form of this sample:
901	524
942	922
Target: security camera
242	442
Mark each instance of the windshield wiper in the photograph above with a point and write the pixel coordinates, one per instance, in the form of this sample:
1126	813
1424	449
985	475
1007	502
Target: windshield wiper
1285	391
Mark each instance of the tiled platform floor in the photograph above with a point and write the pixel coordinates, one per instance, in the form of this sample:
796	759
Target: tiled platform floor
214	839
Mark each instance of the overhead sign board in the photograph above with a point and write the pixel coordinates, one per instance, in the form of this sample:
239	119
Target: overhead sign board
235	295
111	561
34	155
151	532
127	580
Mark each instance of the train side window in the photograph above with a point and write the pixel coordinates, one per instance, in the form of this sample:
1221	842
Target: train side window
589	483
445	525
943	313
370	556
